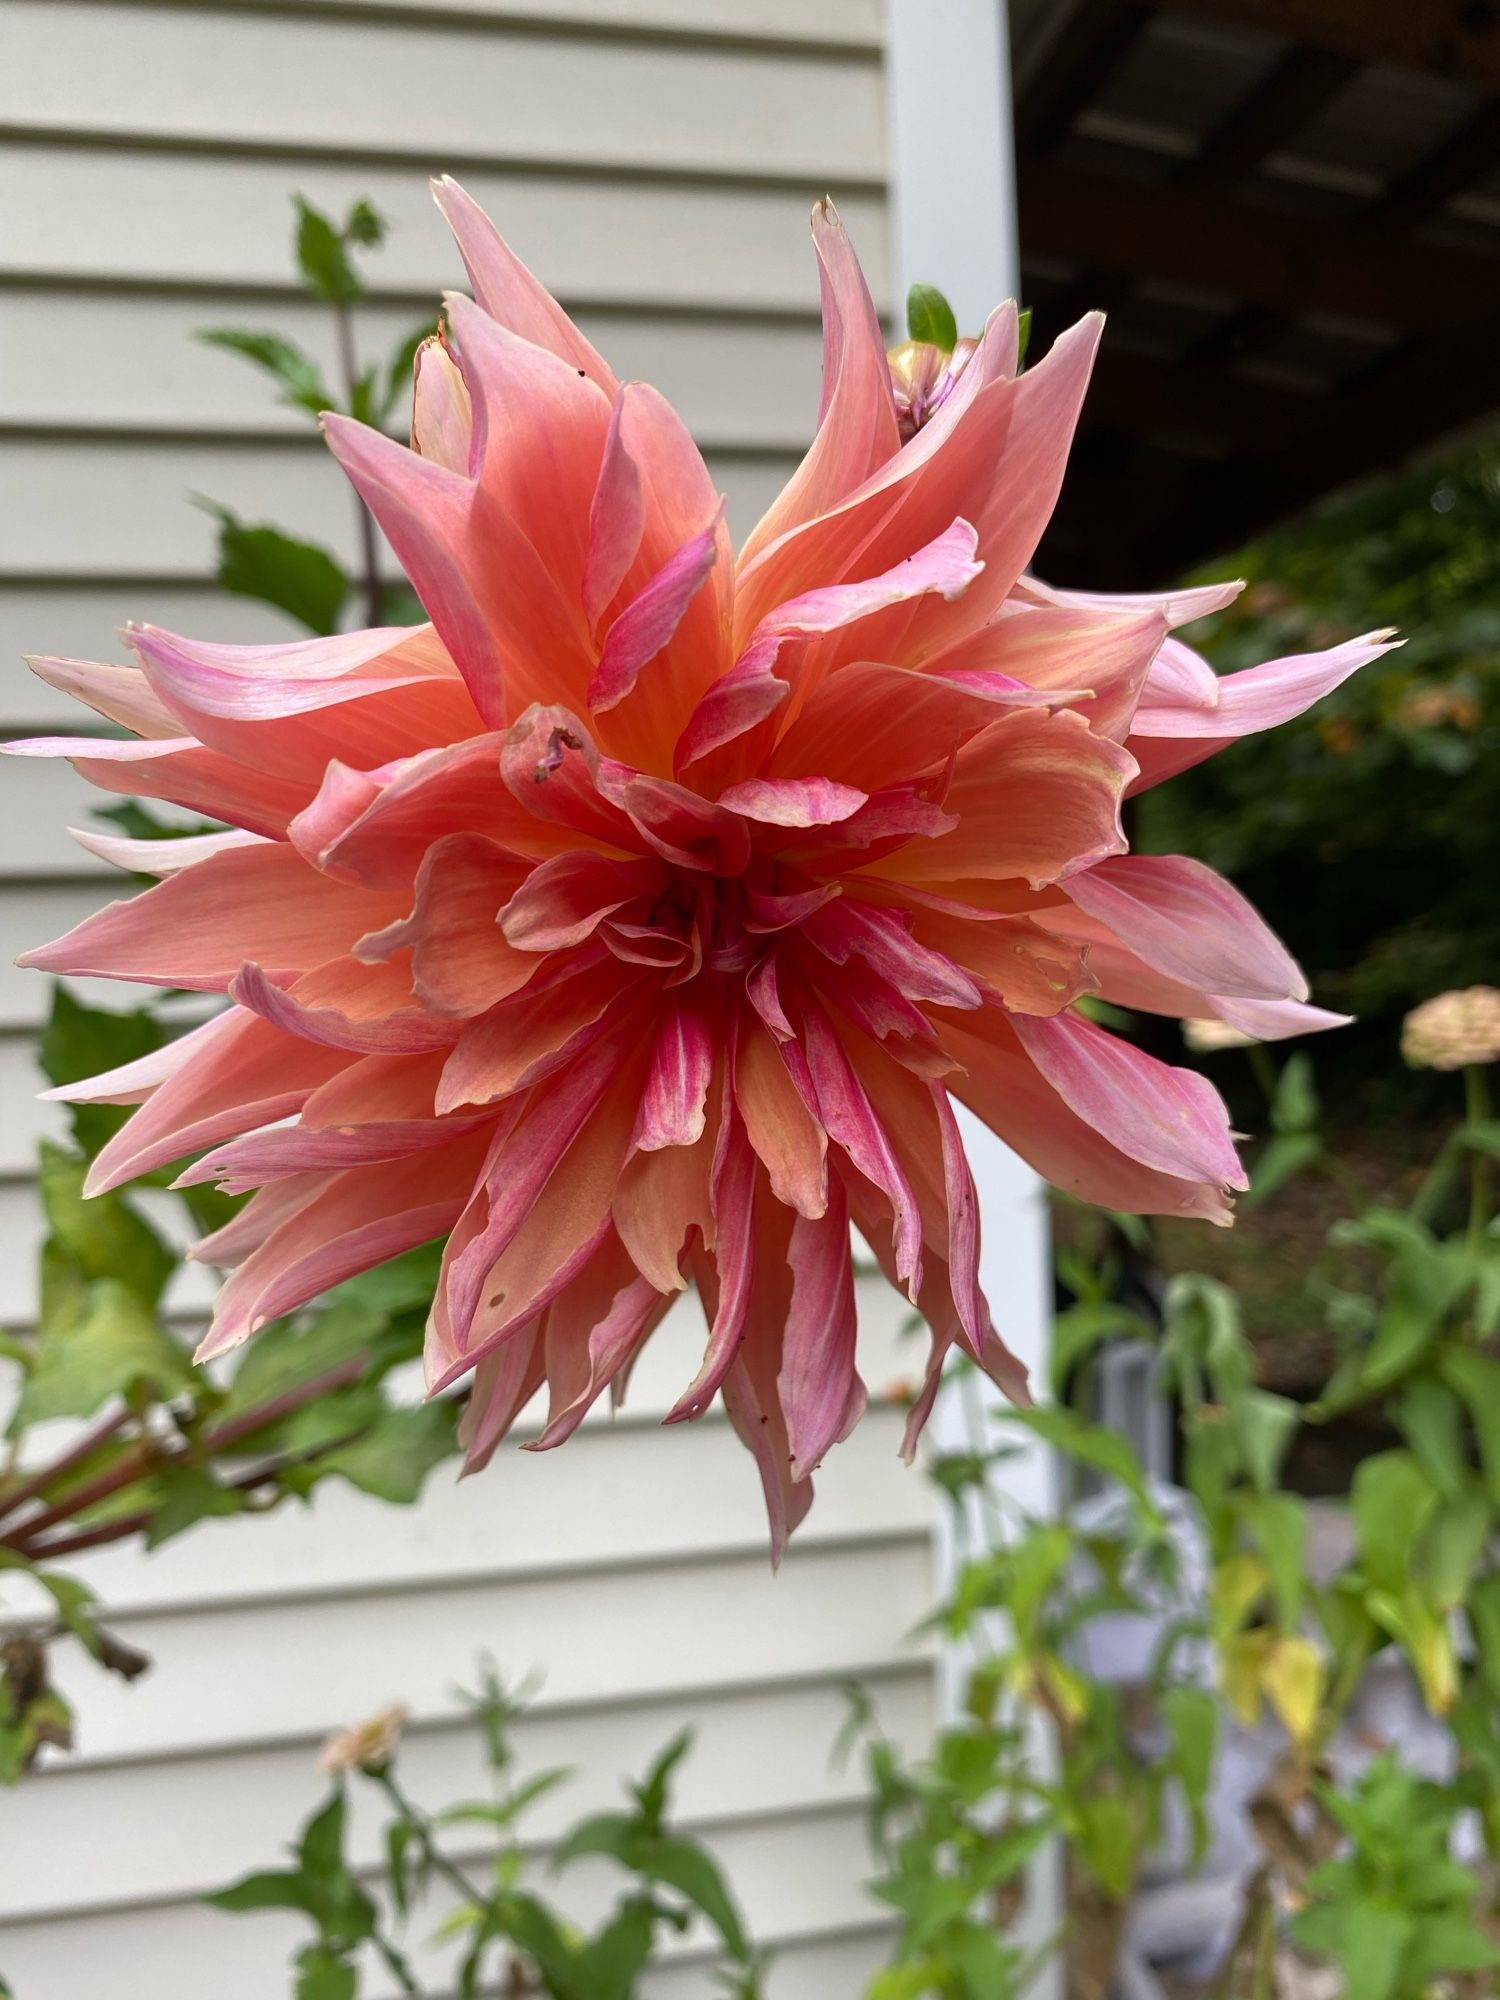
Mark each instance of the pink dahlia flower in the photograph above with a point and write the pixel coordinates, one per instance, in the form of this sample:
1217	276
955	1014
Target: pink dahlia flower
639	918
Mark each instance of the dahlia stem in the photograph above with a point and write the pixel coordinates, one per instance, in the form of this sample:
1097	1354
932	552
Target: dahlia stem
1476	1112
421	1826
87	1445
140	1458
369	547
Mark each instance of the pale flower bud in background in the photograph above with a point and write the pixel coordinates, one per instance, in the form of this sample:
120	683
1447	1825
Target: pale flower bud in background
922	379
1206	1035
1453	1030
369	1745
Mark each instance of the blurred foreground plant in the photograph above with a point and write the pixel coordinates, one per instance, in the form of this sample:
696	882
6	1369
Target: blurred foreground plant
471	1857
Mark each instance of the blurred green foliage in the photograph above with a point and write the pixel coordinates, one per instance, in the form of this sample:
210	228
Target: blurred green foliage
1368	831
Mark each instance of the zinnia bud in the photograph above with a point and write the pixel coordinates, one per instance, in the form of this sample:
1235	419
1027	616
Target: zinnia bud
1453	1030
368	1745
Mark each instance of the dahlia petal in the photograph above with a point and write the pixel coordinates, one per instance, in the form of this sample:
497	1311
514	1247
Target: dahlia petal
962	1204
552	769
195	928
1170	739
541	1134
732	1188
1183	918
424	510
1035	796
360	1218
1110	655
539	435
817	1378
1275	1020
529	1035
120	694
261	683
857	430
505	1380
1005	1088
345	1004
507	290
847	1116
265	1157
787	1139
617	517
755	1412
442	414
461	961
649	621
661	1199
684	828
1169	1119
851	929
161	857
180	772
873	724
232	1075
564	900
593	1330
793	801
1181	678
681	1068
1178	607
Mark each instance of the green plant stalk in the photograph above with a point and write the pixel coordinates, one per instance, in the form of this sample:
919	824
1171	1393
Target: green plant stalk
142	1458
1477	1111
369	547
421	1826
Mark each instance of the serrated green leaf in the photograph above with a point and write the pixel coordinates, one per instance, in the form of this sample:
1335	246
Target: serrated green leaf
103	1232
299	375
1391	1501
187	1494
81	1041
115	1345
393	1458
321	255
929	317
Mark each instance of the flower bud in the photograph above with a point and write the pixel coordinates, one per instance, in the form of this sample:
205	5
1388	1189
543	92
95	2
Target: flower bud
922	379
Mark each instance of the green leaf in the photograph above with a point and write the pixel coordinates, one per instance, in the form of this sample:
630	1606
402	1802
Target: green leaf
271	1889
1263	1424
652	1793
1278	1522
401	1284
1375	1937
1477	1380
1392	1501
321	1847
103	1233
287	1356
188	1495
1455	1540
321	254
1285	1157
81	1041
1192	1716
1104	1450
297	372
323	1975
393	1458
1426	1283
1430	1417
296	577
1483	1611
1079	1329
114	1346
365	225
1294	1107
929	317
1023	336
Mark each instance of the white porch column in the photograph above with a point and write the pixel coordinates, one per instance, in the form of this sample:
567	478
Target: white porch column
954	219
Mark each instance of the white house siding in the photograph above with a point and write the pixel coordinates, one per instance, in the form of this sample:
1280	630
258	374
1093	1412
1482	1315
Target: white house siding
654	160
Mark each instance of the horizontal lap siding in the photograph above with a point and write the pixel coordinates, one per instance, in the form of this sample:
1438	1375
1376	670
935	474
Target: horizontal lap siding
654	160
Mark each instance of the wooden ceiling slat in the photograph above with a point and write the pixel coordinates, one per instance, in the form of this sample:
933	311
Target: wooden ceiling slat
1459	38
1082	56
1291	264
1209	408
1289	98
1472	152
